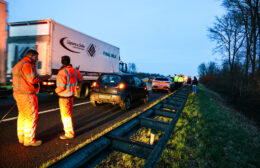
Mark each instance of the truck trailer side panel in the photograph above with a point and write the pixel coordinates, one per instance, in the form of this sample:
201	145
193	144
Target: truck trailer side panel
87	53
52	41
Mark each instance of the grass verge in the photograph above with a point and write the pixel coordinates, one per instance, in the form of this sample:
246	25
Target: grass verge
208	134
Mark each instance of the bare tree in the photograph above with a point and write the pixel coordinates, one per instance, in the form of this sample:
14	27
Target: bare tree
229	36
237	35
202	70
249	12
212	68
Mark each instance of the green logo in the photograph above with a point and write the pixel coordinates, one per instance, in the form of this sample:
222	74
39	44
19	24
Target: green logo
108	54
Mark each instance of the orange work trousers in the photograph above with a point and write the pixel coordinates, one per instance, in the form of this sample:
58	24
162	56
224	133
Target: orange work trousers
27	116
66	106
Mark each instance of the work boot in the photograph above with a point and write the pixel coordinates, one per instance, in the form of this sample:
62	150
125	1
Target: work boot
21	139
66	137
33	143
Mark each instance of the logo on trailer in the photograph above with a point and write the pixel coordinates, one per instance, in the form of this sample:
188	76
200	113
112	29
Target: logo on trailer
71	45
91	50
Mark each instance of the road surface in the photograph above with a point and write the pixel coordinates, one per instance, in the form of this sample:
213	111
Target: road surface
88	121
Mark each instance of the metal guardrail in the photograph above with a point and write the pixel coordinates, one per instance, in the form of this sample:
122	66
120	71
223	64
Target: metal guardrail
118	139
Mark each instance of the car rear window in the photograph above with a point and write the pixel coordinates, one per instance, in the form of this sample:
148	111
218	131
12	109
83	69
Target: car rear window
162	79
110	79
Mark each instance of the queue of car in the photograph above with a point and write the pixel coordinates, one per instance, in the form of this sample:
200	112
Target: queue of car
122	89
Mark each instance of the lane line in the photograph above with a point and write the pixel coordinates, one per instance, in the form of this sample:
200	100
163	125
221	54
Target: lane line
43	112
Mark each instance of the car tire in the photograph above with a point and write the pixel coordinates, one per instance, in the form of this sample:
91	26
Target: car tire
94	103
169	91
125	105
146	98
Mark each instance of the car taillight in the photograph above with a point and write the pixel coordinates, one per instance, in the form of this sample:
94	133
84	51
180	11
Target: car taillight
95	84
48	83
145	88
120	86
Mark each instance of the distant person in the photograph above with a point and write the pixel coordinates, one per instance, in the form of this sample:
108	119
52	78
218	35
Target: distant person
185	79
175	80
194	85
189	81
171	78
67	79
25	87
180	81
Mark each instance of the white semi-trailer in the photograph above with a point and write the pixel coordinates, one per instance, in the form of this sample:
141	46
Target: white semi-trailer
53	40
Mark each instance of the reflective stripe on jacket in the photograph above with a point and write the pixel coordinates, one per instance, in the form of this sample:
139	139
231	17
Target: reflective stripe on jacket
176	78
66	82
180	79
25	78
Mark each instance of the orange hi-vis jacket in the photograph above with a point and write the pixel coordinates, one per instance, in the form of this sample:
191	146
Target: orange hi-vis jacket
66	82
25	78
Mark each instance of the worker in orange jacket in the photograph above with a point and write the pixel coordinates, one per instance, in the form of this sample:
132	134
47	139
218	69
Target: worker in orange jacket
25	87
67	79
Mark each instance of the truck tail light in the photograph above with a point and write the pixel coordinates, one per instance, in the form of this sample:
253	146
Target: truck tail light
48	83
120	86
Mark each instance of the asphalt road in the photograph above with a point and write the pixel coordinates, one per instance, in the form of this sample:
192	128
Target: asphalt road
88	121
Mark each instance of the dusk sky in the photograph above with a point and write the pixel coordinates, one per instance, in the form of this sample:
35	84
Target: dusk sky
166	36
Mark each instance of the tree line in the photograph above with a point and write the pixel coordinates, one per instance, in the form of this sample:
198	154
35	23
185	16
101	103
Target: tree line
237	39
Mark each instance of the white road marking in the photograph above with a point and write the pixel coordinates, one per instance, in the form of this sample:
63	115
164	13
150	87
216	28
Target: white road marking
43	112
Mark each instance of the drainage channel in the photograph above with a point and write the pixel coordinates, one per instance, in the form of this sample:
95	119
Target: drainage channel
118	139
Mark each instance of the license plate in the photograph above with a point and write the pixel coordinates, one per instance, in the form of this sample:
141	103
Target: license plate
104	96
161	86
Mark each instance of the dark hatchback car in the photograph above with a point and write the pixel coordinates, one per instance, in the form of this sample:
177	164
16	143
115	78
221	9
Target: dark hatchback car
118	89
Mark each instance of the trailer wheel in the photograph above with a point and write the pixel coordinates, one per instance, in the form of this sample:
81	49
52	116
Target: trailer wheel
85	91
